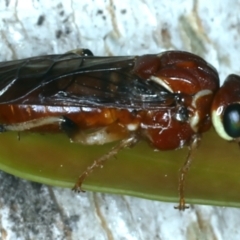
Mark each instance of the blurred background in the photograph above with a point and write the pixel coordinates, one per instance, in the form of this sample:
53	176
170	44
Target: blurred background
27	28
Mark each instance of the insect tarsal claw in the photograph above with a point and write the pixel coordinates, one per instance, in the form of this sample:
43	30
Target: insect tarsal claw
182	206
77	189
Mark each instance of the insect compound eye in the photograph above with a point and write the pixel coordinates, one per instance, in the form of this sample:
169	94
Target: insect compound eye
231	120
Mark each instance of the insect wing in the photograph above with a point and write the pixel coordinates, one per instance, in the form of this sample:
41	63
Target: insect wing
74	80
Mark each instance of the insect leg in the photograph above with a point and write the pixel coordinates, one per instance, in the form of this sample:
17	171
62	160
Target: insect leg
99	136
184	170
128	142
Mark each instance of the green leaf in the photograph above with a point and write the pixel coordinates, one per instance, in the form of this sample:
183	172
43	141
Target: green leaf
140	171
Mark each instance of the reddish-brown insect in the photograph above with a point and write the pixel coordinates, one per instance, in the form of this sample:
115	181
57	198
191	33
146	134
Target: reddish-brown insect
165	99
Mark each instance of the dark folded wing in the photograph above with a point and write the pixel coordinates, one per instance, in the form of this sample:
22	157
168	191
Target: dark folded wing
74	80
